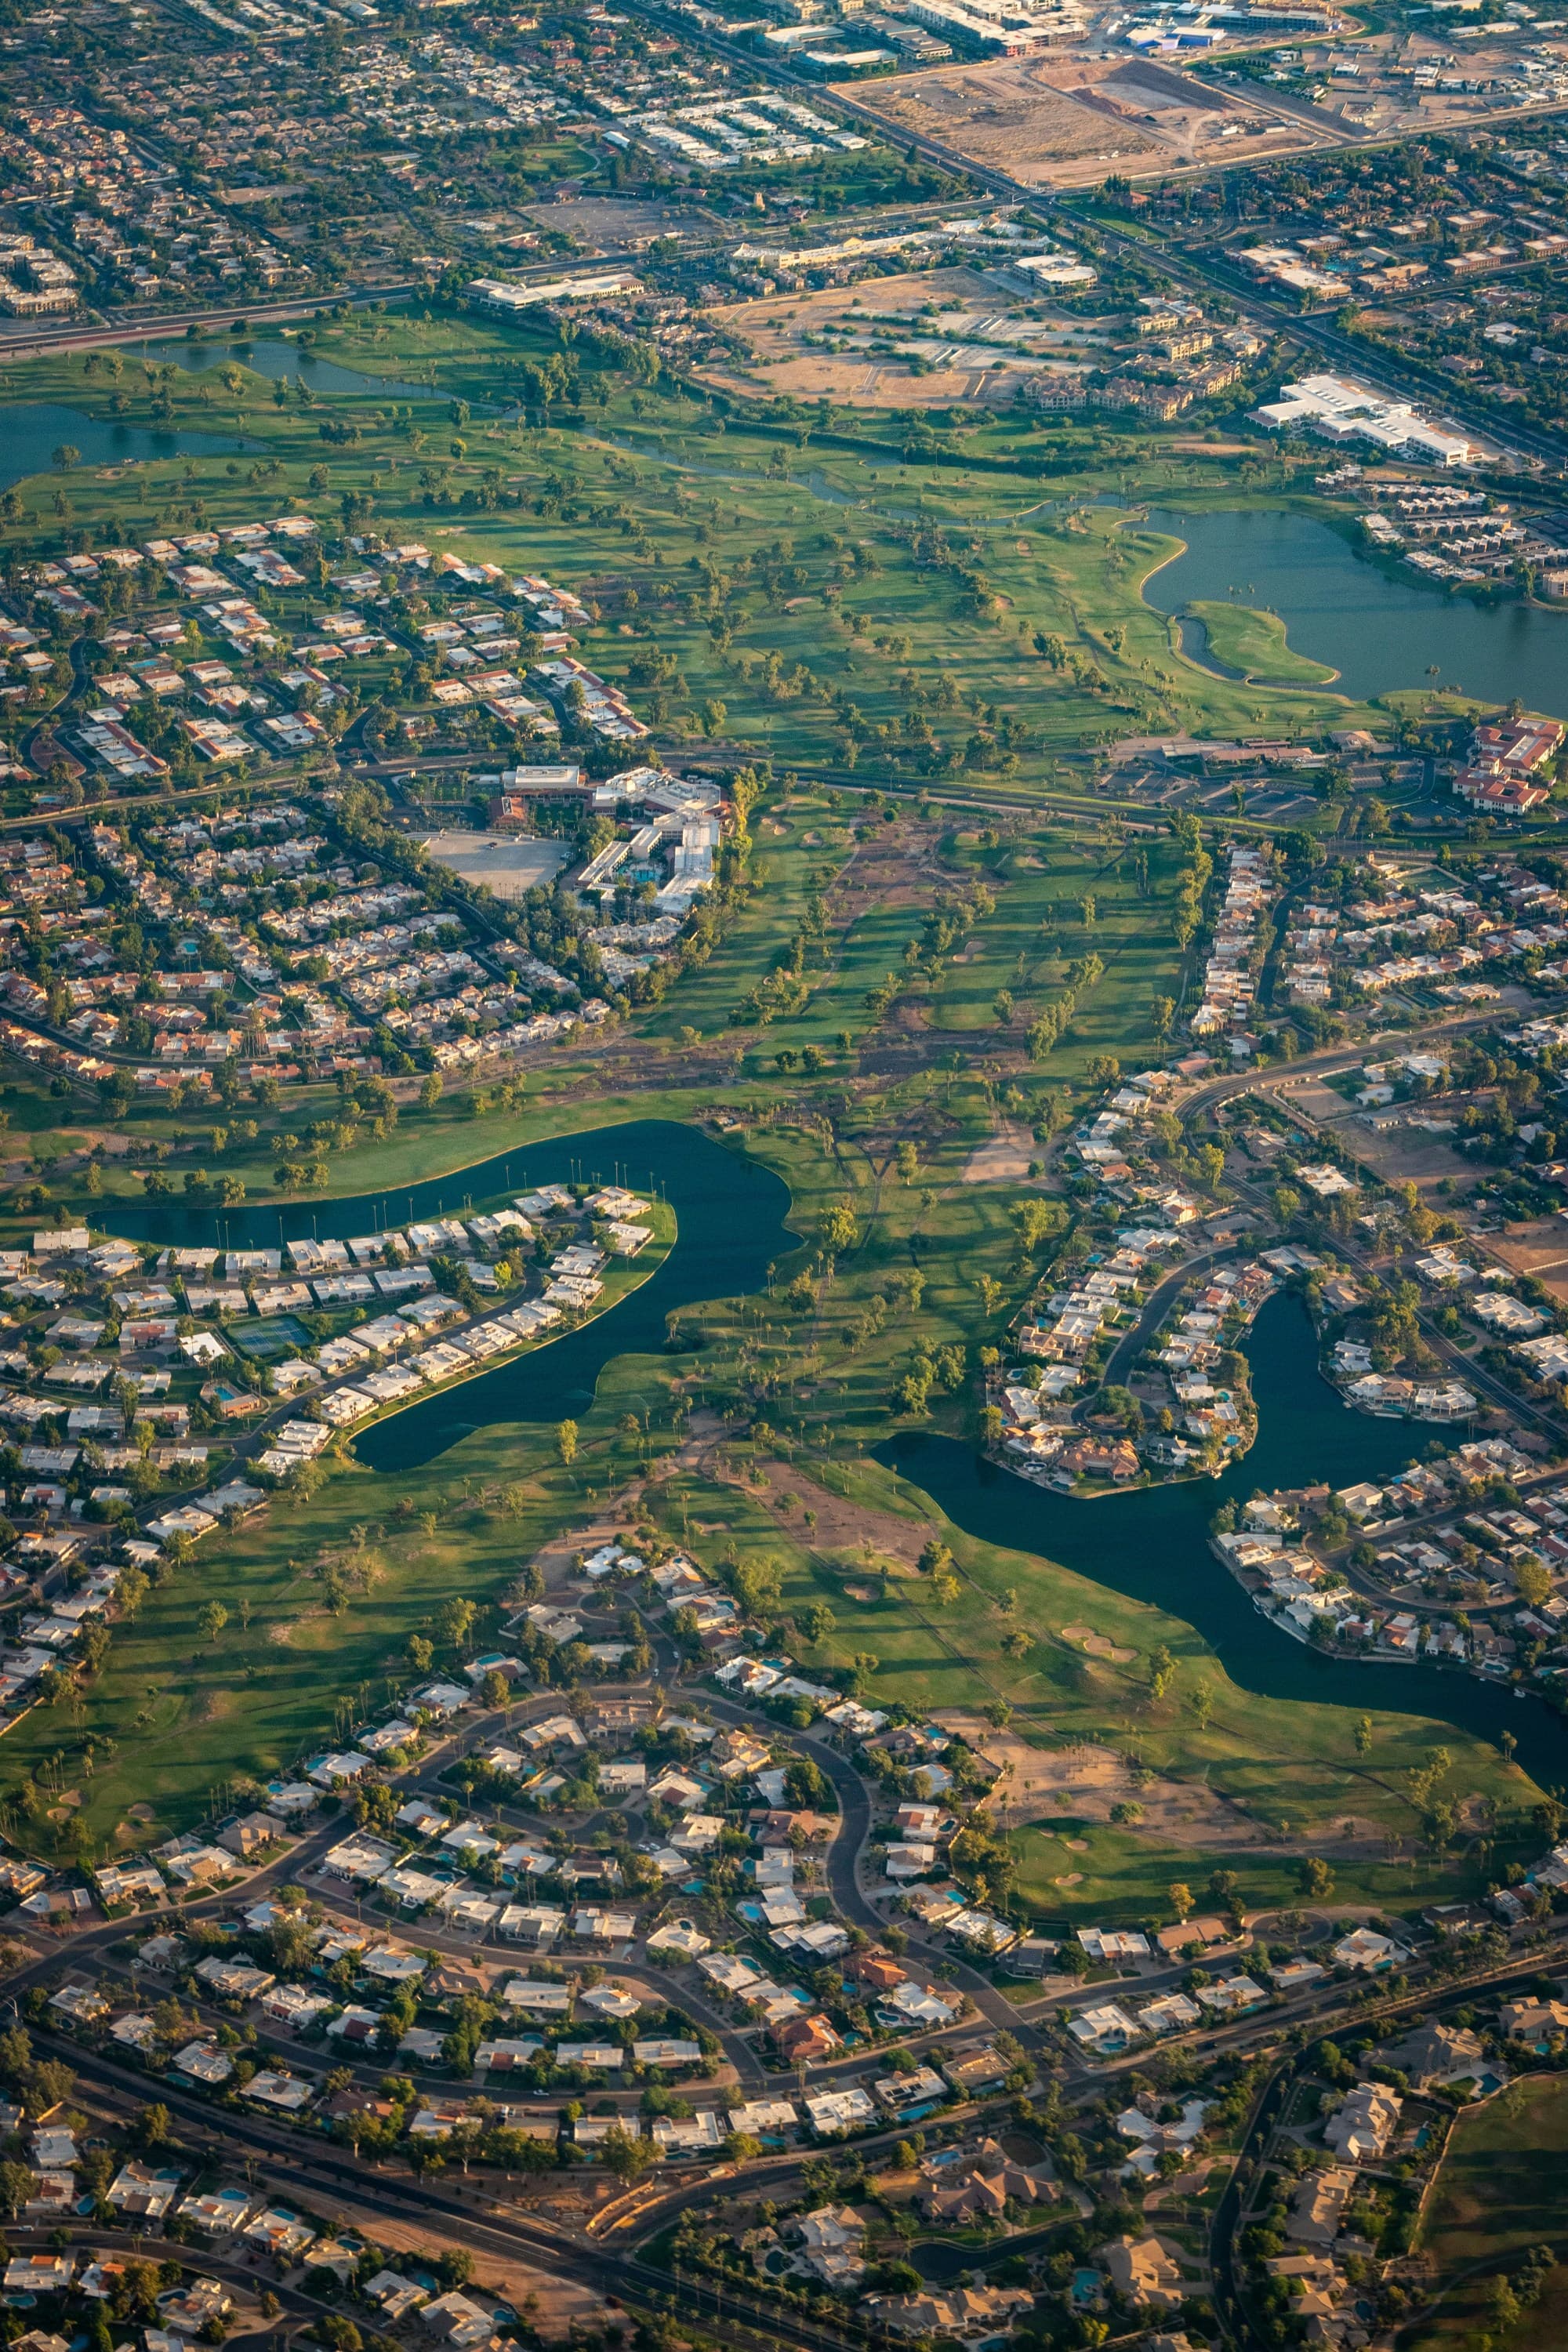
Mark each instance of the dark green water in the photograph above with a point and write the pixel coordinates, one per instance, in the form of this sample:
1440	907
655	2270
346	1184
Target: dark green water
280	362
729	1215
1152	1544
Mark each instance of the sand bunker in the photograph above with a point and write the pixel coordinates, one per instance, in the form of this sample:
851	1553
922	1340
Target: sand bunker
1096	1644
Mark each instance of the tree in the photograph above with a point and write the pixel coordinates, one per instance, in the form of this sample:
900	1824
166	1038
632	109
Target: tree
214	1618
838	1230
806	1785
566	1442
628	2157
1036	1221
429	1092
1363	1736
455	1622
1534	1581
1181	1896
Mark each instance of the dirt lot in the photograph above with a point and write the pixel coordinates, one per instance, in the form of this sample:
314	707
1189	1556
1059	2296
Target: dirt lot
1399	1154
1005	1160
1038	1784
1057	123
779	326
1393	1154
1540	1249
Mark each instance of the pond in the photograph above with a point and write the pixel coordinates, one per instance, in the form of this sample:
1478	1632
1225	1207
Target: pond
34	429
729	1213
280	360
1152	1544
1379	627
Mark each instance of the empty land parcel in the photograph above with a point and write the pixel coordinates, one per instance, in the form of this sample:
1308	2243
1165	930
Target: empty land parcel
966	335
1061	124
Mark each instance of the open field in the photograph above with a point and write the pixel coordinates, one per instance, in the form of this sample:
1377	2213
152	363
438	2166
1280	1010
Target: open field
984	352
1498	2193
1064	123
1256	645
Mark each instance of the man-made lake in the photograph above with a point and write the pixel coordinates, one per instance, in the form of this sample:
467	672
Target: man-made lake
729	1213
1152	1544
34	429
1379	627
282	362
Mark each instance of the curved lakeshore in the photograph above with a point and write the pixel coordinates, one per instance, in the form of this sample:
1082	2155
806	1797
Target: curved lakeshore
1152	1544
1378	627
729	1214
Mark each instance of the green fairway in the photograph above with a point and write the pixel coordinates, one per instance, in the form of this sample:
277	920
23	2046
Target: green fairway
1499	2191
1255	644
904	620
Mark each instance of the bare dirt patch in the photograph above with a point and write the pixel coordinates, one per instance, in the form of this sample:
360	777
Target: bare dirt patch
1009	114
1086	1782
1058	121
1540	1249
1005	1160
1408	1154
784	330
861	1537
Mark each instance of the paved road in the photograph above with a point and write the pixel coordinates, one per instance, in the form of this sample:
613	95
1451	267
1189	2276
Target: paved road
1130	1345
41	343
1379	368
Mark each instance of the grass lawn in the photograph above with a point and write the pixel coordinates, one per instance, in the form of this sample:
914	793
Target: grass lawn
1255	644
1125	1874
171	1713
846	546
1502	2187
